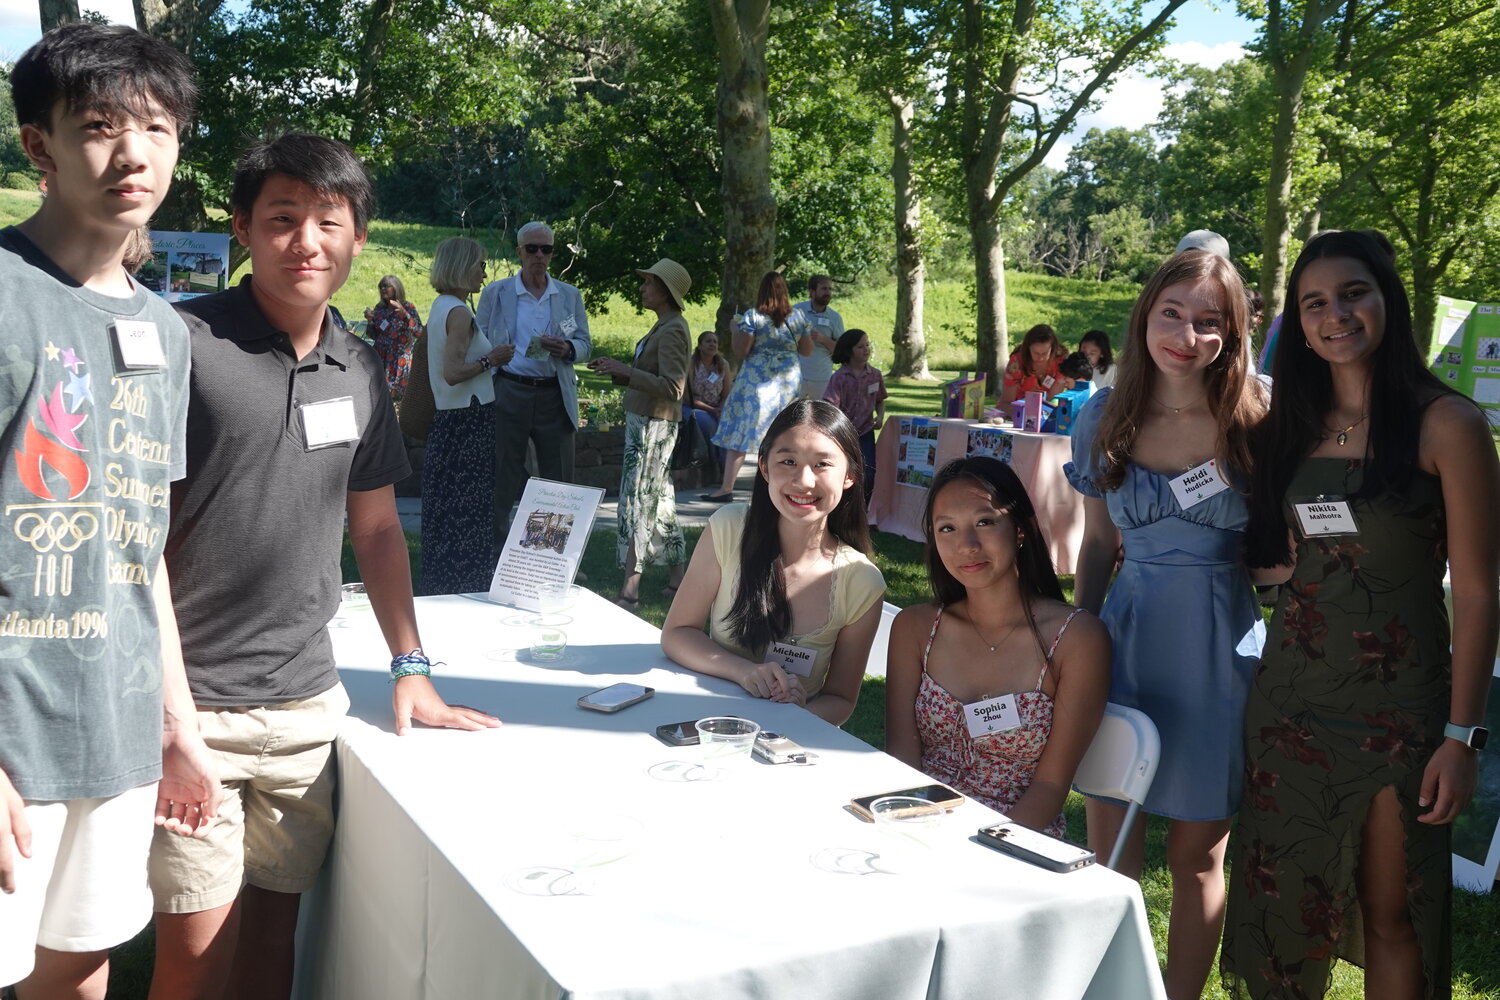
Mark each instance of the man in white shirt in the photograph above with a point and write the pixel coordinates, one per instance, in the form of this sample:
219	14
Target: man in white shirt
536	393
827	328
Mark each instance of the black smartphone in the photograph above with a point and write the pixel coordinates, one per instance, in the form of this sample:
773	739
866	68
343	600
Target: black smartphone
1035	848
679	734
940	795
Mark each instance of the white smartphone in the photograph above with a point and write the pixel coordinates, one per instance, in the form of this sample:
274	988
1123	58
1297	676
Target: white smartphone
1035	848
615	697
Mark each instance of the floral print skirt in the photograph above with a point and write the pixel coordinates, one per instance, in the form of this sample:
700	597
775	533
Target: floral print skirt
648	504
458	501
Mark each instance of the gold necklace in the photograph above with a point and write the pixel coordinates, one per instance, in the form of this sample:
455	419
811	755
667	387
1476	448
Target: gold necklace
1343	435
996	644
1175	409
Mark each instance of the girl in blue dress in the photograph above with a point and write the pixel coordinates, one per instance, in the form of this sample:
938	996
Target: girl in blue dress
769	337
1161	459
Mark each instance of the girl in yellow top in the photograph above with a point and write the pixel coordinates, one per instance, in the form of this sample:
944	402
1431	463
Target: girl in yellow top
786	585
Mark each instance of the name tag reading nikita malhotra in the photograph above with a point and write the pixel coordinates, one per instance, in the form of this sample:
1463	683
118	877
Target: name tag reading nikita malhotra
992	715
1325	516
1197	485
329	422
797	660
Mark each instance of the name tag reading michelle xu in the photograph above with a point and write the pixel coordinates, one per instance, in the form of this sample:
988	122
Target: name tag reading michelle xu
1197	485
797	660
1325	516
992	715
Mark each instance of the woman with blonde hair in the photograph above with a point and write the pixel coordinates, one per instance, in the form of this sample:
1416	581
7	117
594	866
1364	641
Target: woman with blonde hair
458	470
394	326
1162	459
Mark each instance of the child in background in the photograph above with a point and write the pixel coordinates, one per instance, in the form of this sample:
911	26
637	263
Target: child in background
1076	366
858	389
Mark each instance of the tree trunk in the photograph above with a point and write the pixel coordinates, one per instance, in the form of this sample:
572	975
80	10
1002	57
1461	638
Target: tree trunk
1290	80
992	333
376	32
908	338
175	22
740	27
55	12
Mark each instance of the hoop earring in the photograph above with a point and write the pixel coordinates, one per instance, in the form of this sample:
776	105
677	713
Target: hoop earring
1306	344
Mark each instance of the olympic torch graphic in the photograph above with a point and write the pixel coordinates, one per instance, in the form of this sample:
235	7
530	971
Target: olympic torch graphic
52	469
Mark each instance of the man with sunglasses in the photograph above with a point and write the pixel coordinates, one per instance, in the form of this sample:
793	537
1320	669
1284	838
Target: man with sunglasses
536	392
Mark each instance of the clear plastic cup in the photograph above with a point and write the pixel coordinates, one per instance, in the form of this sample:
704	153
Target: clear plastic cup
548	642
726	741
909	827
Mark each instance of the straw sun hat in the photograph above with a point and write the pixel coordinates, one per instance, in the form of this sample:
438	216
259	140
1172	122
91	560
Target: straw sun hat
673	275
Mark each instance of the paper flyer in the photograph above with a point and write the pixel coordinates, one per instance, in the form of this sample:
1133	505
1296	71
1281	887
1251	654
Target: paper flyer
991	442
917	454
186	265
546	541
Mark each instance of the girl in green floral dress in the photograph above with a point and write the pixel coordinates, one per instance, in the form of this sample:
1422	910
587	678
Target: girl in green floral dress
1370	476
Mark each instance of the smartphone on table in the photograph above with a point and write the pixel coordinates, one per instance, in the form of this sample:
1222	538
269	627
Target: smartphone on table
1035	848
940	795
682	734
615	697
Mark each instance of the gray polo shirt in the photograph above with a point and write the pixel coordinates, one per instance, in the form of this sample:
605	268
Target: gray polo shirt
258	524
818	365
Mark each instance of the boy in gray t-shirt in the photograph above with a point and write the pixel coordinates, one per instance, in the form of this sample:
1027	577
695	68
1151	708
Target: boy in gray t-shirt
99	729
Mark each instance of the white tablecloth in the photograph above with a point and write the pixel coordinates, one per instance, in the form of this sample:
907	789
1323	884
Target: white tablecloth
747	887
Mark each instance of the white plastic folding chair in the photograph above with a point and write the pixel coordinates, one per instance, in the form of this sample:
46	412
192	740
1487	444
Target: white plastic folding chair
1121	764
875	665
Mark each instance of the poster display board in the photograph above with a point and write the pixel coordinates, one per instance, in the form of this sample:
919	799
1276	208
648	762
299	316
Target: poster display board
546	541
1466	351
917	452
186	265
991	442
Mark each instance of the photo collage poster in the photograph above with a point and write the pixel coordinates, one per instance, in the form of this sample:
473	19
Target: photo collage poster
186	265
1466	351
916	459
991	442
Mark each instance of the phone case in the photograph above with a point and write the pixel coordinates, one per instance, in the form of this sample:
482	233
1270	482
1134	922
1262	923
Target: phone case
667	734
585	703
945	797
1035	848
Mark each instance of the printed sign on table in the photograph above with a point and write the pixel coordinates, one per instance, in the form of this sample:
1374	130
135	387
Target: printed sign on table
991	442
546	541
917	452
186	265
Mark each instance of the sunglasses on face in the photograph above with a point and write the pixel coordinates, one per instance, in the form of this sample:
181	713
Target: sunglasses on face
545	249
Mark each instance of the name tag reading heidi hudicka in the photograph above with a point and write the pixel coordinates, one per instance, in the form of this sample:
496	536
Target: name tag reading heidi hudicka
992	715
1325	516
797	660
1197	485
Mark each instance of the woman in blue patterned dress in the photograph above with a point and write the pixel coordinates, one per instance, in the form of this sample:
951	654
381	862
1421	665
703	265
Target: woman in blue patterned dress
769	338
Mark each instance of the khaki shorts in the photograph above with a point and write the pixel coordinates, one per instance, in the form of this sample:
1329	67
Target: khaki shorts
273	830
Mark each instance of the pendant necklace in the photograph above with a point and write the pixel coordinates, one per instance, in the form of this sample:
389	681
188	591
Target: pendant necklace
1175	409
1343	435
994	646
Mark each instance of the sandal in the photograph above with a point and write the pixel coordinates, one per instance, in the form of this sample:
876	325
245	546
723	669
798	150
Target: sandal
717	497
628	603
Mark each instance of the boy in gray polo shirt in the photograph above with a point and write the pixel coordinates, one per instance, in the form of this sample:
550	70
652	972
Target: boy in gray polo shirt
290	429
94	707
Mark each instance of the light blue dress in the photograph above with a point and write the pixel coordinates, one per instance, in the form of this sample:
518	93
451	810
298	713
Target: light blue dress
768	380
1186	627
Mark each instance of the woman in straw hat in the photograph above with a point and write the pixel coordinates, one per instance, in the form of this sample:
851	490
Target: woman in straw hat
656	380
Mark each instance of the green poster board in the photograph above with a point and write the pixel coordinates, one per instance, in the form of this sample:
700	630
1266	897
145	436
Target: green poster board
1466	351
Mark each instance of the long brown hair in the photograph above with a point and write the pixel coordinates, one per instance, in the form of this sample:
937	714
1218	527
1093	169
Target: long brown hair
1040	334
720	365
772	299
1235	397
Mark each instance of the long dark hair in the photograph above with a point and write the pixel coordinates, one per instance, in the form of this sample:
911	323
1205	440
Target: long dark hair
772	299
1101	340
1040	334
760	612
1033	562
1401	388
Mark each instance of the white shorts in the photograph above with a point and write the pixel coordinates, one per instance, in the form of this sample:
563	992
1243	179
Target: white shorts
84	887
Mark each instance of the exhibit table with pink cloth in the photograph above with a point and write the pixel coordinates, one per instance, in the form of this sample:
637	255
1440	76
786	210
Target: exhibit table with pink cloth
570	854
1038	459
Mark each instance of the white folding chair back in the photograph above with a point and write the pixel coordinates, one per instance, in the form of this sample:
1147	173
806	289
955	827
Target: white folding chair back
875	665
1121	764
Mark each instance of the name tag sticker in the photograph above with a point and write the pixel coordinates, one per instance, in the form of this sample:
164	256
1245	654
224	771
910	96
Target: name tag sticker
992	715
329	422
797	660
713	378
1197	485
1047	382
139	344
1325	516
568	326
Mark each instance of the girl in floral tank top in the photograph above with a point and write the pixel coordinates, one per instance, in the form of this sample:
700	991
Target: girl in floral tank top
1002	703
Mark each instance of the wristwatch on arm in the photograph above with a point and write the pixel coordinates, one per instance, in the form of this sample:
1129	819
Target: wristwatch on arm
1473	737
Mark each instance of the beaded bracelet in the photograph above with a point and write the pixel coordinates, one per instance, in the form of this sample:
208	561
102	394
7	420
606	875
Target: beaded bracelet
407	664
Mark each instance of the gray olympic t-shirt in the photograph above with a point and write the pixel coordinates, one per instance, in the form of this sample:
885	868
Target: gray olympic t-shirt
88	451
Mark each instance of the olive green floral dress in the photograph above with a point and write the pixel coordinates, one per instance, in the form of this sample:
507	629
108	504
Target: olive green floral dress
1351	696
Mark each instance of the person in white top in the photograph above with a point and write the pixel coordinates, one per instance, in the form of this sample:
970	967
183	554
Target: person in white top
827	328
457	470
536	391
